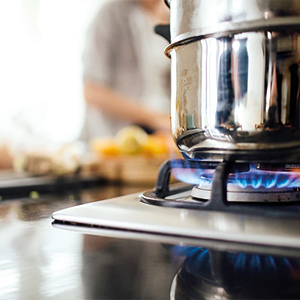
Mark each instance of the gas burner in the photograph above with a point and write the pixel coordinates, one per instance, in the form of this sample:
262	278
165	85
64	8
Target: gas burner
247	193
261	183
219	191
169	211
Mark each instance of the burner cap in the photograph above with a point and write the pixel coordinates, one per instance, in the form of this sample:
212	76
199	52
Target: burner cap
236	193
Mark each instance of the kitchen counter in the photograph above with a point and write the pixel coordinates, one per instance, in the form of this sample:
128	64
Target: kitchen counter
38	261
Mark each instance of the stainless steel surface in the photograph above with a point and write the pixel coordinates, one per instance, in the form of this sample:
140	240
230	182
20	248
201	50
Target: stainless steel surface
238	95
128	213
177	240
203	17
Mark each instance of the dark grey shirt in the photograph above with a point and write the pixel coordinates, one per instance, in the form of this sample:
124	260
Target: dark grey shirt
123	52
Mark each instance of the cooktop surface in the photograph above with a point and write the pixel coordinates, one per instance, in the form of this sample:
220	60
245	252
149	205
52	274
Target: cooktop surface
194	254
39	261
129	216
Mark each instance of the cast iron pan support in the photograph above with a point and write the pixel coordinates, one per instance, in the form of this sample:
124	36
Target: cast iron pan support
219	189
218	197
162	188
218	200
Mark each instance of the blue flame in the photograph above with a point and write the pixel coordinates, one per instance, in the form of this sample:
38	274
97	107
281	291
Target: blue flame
266	180
254	179
190	176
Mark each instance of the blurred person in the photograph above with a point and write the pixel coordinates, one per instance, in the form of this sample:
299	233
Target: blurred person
126	75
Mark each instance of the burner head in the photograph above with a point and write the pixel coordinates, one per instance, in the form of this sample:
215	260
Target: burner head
179	196
236	193
262	183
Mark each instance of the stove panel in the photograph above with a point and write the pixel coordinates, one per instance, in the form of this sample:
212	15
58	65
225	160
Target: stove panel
129	214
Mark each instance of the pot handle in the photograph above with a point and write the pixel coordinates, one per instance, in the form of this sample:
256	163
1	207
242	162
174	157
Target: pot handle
164	31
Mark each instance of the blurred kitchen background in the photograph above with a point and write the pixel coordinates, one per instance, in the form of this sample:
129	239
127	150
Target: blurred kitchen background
42	105
43	166
42	41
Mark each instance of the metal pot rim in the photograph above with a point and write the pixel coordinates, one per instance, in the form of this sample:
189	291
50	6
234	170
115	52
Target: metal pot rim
228	28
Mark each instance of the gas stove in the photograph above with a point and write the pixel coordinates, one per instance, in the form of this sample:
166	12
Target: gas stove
235	117
232	203
263	189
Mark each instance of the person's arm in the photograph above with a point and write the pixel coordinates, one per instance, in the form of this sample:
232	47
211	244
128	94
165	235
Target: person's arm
117	106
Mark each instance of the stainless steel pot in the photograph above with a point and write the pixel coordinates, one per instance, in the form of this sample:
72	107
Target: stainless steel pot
195	18
235	79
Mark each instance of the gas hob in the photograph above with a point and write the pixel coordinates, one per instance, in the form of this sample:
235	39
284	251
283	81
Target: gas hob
171	212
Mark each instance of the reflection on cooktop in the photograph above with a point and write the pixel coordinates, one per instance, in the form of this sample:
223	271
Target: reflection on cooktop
210	274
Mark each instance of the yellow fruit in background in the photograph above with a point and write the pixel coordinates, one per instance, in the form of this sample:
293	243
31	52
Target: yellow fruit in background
104	146
131	139
156	146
